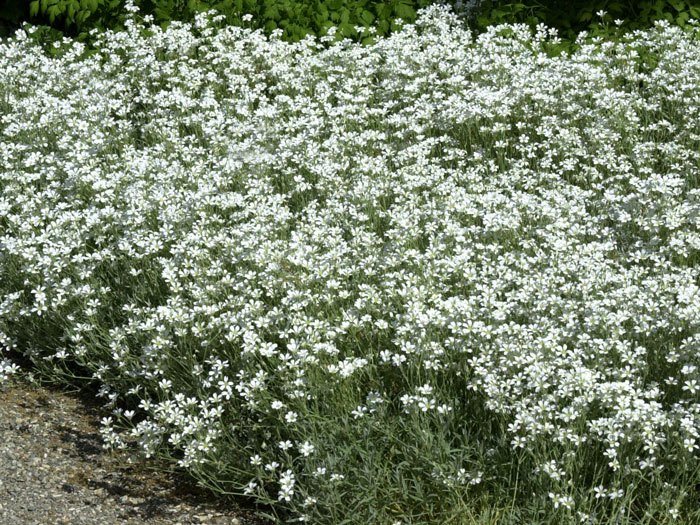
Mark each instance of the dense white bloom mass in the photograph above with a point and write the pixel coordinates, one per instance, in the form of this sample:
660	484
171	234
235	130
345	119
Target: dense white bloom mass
271	243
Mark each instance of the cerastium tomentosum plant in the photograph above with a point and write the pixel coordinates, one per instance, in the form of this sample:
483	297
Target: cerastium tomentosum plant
439	279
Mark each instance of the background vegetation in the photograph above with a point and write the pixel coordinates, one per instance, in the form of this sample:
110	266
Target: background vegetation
298	18
574	16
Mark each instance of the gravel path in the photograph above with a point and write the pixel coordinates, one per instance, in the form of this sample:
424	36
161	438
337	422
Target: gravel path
53	471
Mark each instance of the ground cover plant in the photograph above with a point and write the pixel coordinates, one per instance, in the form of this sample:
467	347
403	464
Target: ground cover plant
438	279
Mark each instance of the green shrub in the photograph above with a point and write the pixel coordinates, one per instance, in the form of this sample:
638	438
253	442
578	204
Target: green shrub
298	18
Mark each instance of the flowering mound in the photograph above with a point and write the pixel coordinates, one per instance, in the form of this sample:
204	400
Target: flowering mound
439	279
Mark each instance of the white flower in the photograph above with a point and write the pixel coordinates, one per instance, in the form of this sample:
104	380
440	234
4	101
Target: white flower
560	500
306	449
691	386
616	494
287	483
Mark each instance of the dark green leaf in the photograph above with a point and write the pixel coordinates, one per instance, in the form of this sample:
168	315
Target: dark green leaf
405	11
678	5
367	17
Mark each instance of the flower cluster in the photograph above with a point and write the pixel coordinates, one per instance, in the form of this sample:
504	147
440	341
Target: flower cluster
308	269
